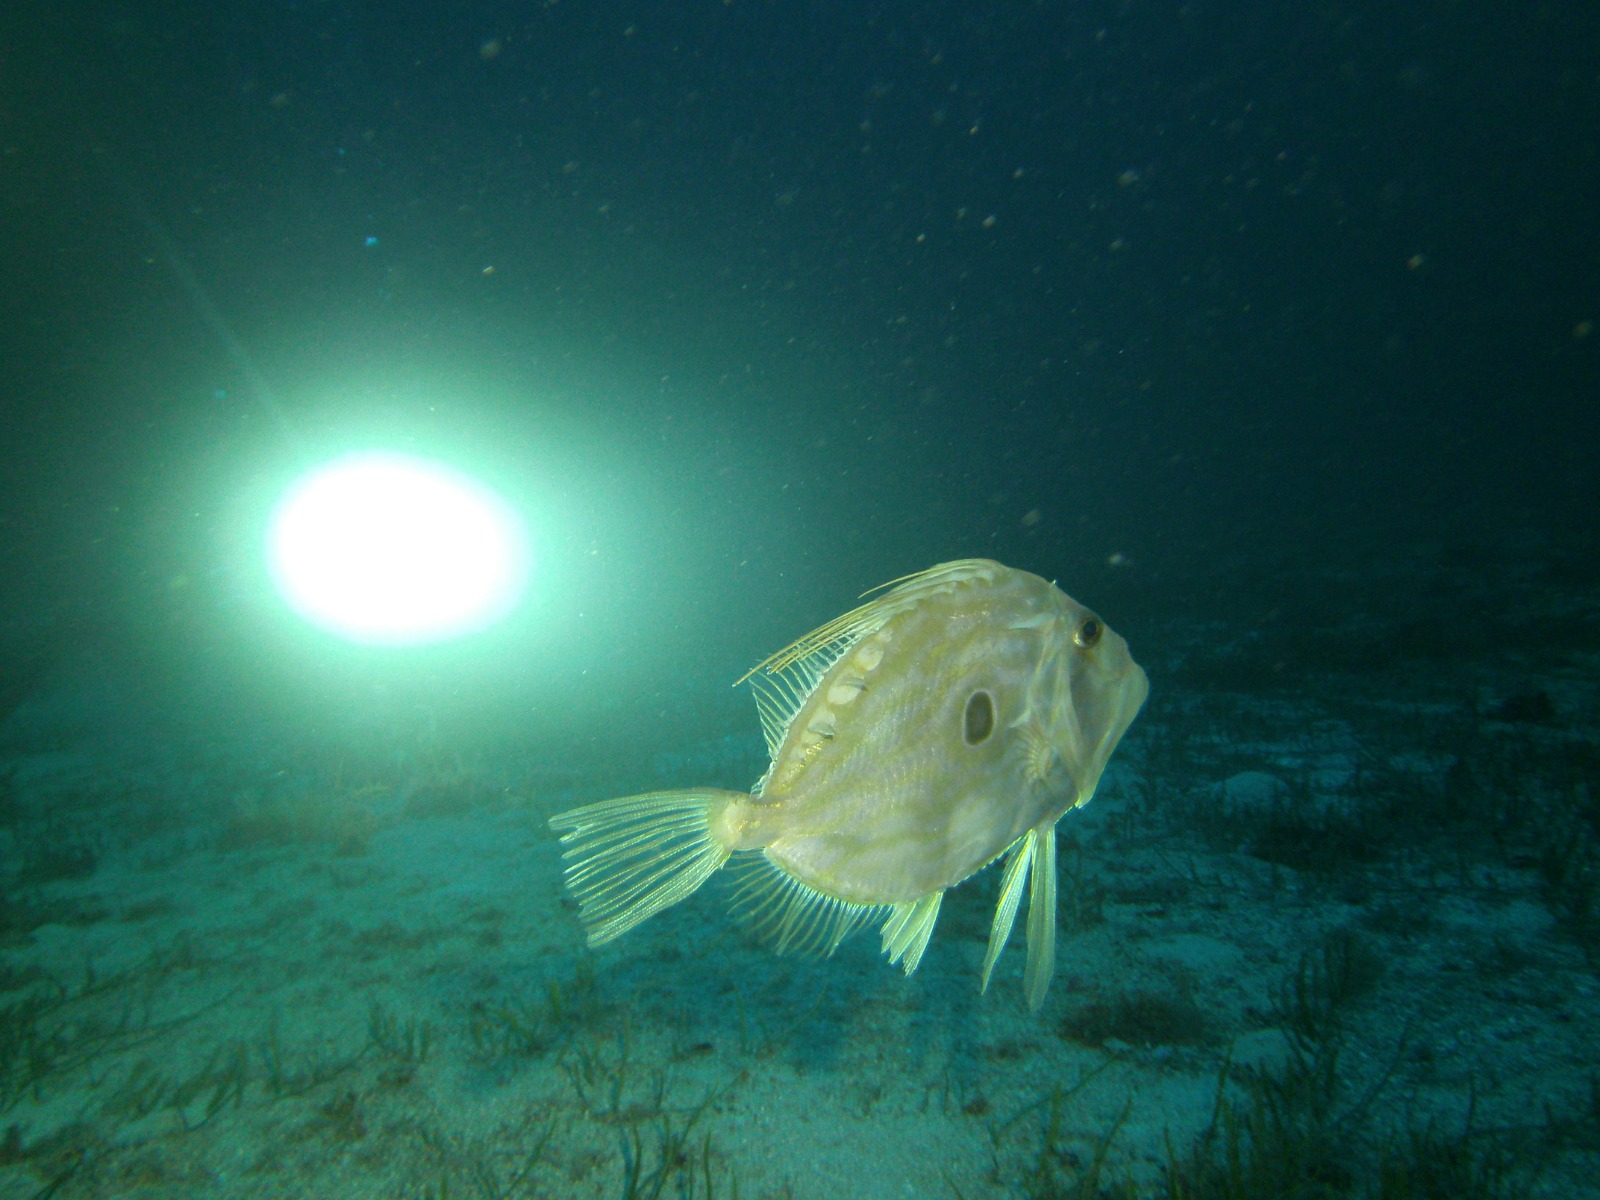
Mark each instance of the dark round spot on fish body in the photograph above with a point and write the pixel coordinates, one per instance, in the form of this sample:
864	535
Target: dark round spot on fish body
1089	632
977	722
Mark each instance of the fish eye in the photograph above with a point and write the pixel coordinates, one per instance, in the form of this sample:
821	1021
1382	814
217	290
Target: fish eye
977	723
1089	632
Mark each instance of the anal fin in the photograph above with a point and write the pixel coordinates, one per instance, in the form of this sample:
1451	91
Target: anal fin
910	925
794	917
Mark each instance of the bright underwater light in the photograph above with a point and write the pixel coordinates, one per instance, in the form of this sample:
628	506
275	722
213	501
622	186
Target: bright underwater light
393	549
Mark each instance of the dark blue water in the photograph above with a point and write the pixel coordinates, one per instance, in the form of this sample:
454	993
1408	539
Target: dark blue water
1268	331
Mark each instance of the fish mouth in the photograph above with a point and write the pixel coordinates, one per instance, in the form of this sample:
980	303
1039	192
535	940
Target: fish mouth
1130	698
1135	691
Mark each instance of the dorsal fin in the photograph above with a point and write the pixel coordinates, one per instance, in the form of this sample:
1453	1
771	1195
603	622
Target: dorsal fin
829	641
783	682
782	693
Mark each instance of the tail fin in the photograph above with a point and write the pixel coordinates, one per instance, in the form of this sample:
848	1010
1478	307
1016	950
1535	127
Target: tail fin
628	859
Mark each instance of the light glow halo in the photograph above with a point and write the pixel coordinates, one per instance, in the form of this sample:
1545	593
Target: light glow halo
395	549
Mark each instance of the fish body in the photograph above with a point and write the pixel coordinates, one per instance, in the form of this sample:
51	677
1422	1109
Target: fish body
914	740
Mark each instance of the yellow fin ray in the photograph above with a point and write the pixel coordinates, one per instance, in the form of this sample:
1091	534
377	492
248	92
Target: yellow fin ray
627	859
782	692
1041	916
830	640
1005	912
910	925
794	917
